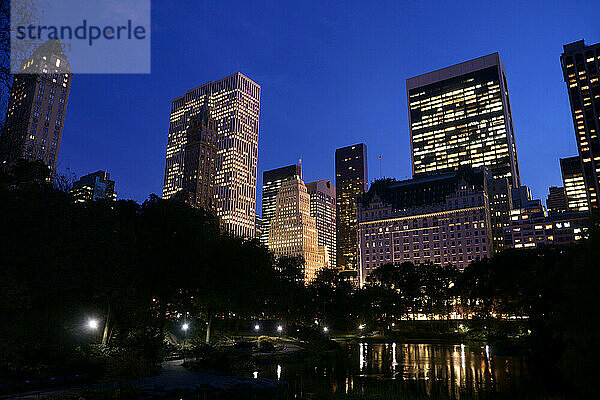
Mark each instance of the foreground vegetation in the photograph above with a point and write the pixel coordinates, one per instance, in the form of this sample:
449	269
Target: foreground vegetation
143	270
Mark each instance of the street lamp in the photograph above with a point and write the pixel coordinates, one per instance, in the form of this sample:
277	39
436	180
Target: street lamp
92	324
185	326
257	327
279	328
361	327
325	329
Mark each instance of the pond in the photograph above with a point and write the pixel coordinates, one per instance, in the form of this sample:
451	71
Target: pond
429	369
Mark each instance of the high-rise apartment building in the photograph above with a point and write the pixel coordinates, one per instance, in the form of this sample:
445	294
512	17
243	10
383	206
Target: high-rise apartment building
200	159
293	231
461	115
95	186
37	106
581	71
557	199
441	219
272	181
351	181
235	106
322	209
574	183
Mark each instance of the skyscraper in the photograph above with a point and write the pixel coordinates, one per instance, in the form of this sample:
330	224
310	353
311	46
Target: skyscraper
200	159
581	69
272	181
37	106
322	209
461	115
95	186
574	183
235	106
351	181
293	232
557	199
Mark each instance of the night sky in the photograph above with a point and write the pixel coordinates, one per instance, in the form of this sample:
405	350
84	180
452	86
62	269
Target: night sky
332	74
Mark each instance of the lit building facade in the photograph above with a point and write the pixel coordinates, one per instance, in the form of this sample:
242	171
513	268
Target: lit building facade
272	181
532	227
95	186
500	200
351	181
322	209
557	199
235	106
293	231
37	107
574	183
581	71
461	115
441	219
200	159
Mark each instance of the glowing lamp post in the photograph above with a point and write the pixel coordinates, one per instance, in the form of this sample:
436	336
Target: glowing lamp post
92	324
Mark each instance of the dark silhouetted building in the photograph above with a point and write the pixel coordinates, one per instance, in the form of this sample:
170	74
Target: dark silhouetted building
557	199
351	181
37	106
272	181
200	159
95	186
581	71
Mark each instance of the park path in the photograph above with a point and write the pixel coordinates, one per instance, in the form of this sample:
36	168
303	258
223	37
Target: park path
174	377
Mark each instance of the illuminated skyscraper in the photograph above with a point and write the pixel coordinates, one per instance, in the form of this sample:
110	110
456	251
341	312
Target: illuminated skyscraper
200	159
460	115
293	232
351	181
581	71
272	181
95	186
574	182
37	106
235	105
322	209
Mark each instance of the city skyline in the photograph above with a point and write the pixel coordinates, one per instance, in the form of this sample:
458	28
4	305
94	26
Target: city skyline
382	125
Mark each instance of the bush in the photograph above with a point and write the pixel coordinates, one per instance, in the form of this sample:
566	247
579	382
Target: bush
265	344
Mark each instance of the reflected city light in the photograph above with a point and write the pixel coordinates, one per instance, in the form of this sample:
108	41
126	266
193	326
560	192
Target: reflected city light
278	372
255	374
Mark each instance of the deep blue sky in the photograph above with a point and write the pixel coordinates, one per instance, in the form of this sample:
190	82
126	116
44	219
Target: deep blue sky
332	74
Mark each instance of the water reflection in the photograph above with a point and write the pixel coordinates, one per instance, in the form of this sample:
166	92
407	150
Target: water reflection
424	368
